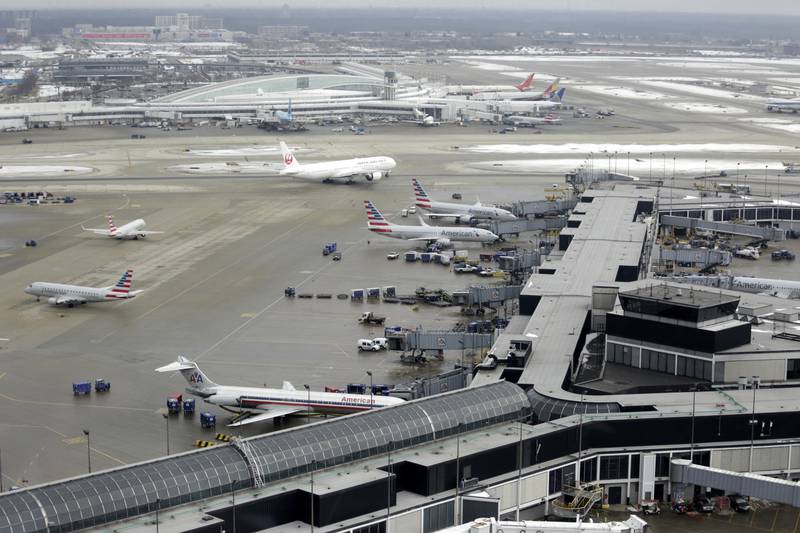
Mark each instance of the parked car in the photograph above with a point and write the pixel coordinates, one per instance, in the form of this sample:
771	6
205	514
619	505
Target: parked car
337	256
464	269
740	504
680	506
651	507
368	345
391	256
703	505
381	342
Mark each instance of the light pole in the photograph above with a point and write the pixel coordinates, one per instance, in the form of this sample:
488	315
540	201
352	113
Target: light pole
651	166
166	420
519	471
233	503
752	423
389	485
313	466
580	440
691	446
88	449
369	373
308	402
765	179
458	471
1	470
629	163
737	177
158	503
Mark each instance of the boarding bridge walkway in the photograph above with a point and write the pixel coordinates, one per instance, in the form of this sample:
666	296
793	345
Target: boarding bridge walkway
746	230
684	472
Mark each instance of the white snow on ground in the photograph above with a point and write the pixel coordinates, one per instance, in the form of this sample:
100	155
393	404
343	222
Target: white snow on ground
704	91
46	91
587	148
767	120
732	62
791	128
622	92
638	167
487	66
656	78
548	58
53	156
242	151
227	168
538	76
775	124
42	170
697	107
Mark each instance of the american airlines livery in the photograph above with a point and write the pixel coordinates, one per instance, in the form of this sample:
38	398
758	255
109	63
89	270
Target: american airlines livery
461	213
131	230
441	235
72	295
260	404
780	288
371	168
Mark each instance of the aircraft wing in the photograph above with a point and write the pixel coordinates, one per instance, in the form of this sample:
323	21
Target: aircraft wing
345	173
272	412
426	239
64	300
147	232
784	293
97	231
446	215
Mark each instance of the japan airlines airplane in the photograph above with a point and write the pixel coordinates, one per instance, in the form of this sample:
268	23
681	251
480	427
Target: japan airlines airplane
72	295
524	85
461	213
262	404
551	93
441	235
371	168
131	230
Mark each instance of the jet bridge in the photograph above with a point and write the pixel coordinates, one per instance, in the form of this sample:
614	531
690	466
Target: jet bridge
747	230
683	472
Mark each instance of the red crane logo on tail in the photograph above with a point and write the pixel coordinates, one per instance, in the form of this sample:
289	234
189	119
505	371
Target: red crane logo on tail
288	159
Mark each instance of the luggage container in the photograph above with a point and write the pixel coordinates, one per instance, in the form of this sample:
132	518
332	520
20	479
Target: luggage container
188	406
426	257
390	292
174	403
380	390
411	256
373	293
356	388
101	385
357	294
208	420
81	387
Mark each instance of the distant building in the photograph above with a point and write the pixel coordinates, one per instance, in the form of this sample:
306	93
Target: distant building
185	22
277	33
77	70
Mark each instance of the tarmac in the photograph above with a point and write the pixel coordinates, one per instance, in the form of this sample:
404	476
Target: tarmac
214	280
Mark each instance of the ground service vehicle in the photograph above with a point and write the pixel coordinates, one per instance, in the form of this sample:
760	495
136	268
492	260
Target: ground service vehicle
703	505
391	256
740	504
368	317
368	345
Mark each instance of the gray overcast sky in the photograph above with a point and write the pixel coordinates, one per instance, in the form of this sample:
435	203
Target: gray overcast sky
774	7
769	7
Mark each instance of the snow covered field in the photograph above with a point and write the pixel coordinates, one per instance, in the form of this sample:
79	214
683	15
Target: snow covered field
698	107
42	170
587	148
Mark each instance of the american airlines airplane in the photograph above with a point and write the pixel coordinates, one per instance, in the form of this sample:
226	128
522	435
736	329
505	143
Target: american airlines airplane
131	230
371	168
461	213
72	295
773	287
784	105
441	235
266	404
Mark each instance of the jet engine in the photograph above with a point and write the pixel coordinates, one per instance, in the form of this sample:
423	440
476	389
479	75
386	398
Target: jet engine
465	219
444	242
374	176
52	301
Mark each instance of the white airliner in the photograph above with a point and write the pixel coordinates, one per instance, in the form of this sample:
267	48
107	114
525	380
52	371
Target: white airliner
371	168
461	213
524	85
131	230
552	92
72	295
773	287
520	120
441	235
784	105
265	404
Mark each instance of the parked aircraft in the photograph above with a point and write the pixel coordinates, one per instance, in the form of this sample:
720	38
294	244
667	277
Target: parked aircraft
520	120
773	287
371	168
131	230
784	105
258	404
72	295
440	235
524	85
461	213
552	93
424	119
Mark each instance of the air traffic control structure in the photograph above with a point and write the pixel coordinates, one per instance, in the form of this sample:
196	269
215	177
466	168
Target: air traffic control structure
531	428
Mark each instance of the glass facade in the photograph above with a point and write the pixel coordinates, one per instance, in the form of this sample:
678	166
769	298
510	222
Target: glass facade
438	517
658	361
614	467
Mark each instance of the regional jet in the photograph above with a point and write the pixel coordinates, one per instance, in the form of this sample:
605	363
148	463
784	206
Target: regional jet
257	404
461	213
131	230
371	168
72	295
440	235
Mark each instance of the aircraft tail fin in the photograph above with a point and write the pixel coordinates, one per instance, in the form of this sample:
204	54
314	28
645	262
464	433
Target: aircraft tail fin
525	84
560	94
123	287
422	222
289	160
421	197
289	111
375	219
112	228
190	372
552	89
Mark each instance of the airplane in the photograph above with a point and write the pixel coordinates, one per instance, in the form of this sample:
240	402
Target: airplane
519	120
440	235
784	105
524	85
424	119
371	168
551	93
131	230
461	213
780	288
71	295
259	404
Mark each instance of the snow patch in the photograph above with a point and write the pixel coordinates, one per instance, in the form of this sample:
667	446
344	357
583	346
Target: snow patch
42	170
697	107
587	148
622	92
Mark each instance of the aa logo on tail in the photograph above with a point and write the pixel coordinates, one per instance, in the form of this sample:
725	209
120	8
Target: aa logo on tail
196	377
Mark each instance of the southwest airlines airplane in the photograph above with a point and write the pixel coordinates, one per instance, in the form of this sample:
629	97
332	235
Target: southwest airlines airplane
265	404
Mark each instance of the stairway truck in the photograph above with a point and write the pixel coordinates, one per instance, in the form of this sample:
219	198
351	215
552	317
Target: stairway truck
368	317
